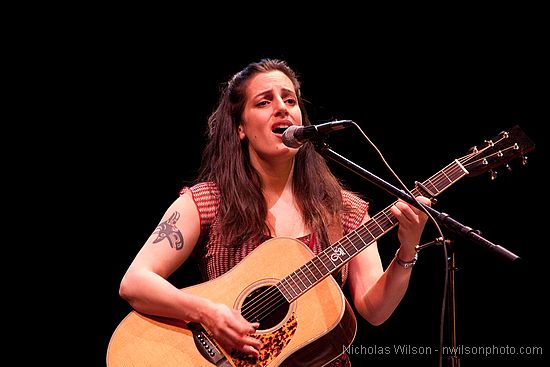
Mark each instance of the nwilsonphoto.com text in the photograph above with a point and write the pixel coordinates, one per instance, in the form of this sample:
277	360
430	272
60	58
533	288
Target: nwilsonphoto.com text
461	350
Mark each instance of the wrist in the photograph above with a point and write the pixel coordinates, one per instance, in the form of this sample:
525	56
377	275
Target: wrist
404	262
199	309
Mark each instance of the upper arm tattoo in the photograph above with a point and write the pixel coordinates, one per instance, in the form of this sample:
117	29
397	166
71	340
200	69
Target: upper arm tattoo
168	229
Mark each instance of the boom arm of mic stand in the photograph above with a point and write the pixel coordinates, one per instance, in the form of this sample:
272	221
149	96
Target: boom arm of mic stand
445	219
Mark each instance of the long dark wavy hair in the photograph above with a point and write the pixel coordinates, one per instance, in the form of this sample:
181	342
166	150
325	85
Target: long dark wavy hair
225	161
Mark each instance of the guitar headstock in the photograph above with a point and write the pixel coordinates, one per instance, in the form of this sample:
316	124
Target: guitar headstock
506	146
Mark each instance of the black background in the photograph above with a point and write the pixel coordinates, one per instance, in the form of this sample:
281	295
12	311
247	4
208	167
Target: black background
138	99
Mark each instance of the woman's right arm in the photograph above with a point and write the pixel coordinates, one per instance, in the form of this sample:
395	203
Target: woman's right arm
147	290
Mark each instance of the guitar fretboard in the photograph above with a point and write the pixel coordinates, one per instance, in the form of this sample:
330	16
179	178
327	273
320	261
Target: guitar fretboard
335	256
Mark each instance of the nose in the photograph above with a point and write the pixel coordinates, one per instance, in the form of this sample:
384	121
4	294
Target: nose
280	107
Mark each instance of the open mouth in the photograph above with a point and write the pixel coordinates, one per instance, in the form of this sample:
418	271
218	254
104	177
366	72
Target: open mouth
279	130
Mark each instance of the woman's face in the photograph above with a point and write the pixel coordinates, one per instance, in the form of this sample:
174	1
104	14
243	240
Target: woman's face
271	106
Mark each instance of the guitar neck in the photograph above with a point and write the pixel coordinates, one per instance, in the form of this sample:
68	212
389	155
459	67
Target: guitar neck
335	256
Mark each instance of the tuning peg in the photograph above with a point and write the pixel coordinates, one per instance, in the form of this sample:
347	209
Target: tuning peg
523	160
493	174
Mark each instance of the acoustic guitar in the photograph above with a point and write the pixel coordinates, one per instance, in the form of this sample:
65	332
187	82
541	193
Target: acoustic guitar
305	320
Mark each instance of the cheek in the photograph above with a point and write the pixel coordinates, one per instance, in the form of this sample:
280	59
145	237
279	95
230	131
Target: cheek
297	114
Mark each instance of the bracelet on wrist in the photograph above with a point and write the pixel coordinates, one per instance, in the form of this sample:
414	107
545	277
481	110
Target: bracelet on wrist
406	264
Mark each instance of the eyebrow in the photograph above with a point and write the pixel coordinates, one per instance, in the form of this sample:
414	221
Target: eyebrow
269	91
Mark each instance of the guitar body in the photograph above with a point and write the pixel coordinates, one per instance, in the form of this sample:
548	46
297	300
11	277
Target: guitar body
312	330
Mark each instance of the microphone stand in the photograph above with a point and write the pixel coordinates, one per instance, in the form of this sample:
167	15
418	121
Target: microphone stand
453	358
451	302
454	226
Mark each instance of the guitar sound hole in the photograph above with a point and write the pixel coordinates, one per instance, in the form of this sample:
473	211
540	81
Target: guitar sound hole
265	305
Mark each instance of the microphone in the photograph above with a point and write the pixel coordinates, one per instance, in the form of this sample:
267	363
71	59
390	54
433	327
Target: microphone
294	136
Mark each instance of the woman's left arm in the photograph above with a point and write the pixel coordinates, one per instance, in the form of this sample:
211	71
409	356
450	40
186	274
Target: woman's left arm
375	292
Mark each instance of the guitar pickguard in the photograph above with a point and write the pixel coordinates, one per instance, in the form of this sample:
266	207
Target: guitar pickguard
273	343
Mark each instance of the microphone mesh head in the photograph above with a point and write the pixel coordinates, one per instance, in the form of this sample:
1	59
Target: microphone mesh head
288	137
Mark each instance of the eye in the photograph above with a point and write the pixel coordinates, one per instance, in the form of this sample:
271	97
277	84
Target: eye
262	103
291	101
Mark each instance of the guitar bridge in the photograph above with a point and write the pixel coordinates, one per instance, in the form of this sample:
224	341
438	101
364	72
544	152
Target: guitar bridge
207	347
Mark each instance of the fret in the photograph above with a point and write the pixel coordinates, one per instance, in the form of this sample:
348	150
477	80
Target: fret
375	221
305	277
328	264
317	259
390	217
457	173
292	287
374	228
300	278
364	226
384	221
364	239
285	290
292	277
430	186
317	274
447	177
350	247
347	253
362	236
